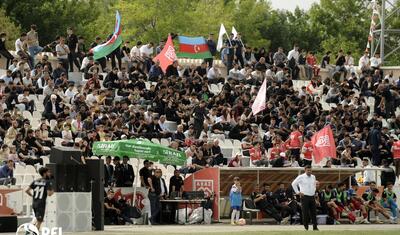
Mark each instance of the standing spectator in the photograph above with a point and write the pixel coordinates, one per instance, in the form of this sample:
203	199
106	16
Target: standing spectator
157	191
145	173
7	173
81	49
293	62
62	53
388	174
239	49
295	142
340	63
72	42
212	46
127	173
280	58
235	197
3	50
396	156
175	185
374	142
199	115
33	44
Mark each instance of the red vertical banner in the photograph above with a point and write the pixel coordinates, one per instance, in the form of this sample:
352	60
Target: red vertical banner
206	180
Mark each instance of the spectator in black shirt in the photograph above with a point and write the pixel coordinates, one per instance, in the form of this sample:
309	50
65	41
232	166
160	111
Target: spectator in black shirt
108	172
172	70
110	208
144	174
212	46
128	176
26	155
72	42
340	61
157	191
3	50
262	200
201	70
176	185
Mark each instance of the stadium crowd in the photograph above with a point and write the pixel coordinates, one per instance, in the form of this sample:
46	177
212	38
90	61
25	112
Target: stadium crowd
134	98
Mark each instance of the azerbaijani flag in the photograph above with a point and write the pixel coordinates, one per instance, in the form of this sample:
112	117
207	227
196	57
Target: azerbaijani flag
114	42
193	47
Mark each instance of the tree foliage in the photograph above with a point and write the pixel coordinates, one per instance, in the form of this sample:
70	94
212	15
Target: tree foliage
329	25
8	26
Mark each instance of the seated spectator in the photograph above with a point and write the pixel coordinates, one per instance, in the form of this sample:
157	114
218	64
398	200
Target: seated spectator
7	174
265	201
388	201
236	161
26	155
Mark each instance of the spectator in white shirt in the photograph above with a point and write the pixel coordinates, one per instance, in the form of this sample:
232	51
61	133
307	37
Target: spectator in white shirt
235	72
70	93
7	77
349	64
146	53
91	98
24	99
213	75
20	49
135	52
375	62
368	175
62	53
363	63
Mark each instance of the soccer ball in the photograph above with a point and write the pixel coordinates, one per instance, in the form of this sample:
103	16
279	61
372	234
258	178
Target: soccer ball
241	222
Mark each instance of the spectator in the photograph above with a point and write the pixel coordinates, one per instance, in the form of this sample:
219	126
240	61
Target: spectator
3	50
33	43
62	53
7	174
157	191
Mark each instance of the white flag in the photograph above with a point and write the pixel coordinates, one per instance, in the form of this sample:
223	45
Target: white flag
261	99
234	32
220	43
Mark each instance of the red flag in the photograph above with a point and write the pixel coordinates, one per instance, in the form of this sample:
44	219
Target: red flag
259	103
323	144
167	56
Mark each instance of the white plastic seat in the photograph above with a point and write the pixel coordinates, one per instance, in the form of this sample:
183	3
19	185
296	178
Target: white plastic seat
27	115
53	124
57	141
164	142
156	141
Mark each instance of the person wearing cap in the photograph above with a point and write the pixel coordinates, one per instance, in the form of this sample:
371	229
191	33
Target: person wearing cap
305	186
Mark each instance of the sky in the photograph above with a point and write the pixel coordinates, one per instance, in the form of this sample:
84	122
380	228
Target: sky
291	4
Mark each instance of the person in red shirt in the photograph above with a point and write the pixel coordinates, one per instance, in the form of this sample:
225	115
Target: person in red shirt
307	151
295	142
396	155
257	155
312	62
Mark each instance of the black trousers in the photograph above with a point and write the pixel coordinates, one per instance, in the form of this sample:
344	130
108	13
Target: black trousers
8	56
155	207
309	209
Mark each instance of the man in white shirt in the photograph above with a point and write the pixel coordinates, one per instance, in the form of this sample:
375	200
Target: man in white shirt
20	49
91	98
147	52
24	99
235	72
375	62
135	52
368	175
213	74
62	53
7	77
305	186
70	93
363	63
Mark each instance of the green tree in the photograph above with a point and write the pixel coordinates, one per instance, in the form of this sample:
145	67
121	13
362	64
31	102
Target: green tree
12	30
52	17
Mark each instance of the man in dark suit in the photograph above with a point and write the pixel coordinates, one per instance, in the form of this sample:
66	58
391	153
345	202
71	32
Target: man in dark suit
108	173
52	108
118	173
128	176
158	190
